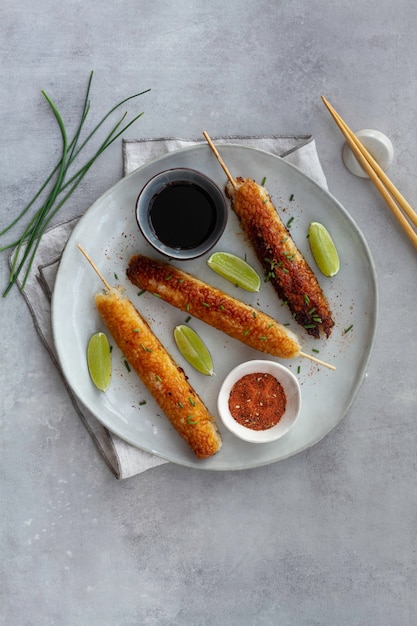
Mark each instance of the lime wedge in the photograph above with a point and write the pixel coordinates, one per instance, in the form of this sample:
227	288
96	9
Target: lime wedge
193	349
235	269
99	361
323	249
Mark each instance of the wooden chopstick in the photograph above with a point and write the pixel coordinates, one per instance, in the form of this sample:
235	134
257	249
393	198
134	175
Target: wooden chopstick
392	196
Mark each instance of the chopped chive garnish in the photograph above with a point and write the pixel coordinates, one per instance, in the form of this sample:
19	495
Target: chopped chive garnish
246	332
315	350
180	404
263	338
136	330
311	311
307	326
158	378
168	277
298	369
290	221
263	181
192	402
127	366
191	420
116	276
270	274
142	402
254	314
222	308
291	197
206	304
140	293
348	329
306	299
188	319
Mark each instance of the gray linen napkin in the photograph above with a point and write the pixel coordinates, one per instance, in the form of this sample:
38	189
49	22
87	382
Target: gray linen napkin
124	459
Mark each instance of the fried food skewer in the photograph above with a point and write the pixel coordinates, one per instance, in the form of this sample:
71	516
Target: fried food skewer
216	308
284	265
158	371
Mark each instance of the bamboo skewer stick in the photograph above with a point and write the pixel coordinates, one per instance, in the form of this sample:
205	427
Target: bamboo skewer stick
94	266
318	361
220	160
392	196
233	182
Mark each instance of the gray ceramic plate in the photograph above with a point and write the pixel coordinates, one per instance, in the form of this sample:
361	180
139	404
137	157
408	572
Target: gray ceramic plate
109	233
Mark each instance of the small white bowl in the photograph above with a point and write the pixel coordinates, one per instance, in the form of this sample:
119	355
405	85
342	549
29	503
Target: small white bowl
293	401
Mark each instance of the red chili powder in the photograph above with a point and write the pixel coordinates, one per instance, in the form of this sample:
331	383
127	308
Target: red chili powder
257	401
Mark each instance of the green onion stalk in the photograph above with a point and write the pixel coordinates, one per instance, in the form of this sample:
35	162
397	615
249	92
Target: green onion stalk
64	183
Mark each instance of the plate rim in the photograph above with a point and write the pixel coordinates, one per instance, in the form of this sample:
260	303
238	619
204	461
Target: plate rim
373	275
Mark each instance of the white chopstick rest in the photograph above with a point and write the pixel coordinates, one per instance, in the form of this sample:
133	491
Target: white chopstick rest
378	144
402	210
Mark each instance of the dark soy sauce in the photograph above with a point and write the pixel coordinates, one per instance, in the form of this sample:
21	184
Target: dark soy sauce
182	215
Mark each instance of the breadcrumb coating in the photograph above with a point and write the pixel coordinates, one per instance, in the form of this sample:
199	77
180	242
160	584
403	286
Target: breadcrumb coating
214	307
158	371
284	265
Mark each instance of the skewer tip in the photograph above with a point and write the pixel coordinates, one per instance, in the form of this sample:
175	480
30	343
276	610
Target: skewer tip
220	160
318	361
95	268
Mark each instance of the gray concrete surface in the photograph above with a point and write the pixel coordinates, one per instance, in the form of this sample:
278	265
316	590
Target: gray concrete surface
325	538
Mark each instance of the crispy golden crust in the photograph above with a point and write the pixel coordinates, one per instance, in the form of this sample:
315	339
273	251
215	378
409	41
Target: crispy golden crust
231	316
284	265
158	371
